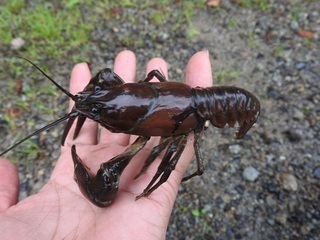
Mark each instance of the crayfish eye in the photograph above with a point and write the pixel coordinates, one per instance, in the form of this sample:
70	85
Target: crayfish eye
94	110
97	88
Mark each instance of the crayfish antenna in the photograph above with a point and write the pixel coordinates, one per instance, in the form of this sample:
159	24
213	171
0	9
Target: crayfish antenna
70	115
36	133
73	97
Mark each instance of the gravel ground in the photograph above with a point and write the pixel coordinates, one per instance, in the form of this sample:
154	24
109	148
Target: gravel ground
266	186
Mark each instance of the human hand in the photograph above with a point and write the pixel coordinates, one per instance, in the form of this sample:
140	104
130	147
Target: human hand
59	211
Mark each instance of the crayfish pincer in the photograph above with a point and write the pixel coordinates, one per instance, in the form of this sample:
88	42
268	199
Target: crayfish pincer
171	110
102	187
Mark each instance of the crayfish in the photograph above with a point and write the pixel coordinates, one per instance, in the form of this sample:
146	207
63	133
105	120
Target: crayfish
171	110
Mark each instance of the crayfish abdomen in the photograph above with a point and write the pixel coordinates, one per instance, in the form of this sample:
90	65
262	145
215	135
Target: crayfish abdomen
228	105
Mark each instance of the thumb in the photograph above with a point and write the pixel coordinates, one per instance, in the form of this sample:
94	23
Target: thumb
9	184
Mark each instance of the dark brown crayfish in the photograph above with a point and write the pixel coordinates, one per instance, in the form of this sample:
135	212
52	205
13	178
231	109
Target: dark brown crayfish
171	110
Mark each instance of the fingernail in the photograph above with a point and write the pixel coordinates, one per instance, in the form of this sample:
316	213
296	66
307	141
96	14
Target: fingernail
206	51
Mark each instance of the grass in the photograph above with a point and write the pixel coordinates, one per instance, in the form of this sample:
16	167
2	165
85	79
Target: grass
198	212
30	148
59	28
47	30
187	13
252	39
262	5
226	75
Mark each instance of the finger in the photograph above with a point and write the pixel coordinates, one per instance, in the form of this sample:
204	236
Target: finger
157	64
198	73
154	64
125	67
80	76
9	184
135	166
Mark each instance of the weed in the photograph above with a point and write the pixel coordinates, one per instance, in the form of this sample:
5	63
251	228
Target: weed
231	23
46	29
198	212
226	75
263	5
30	148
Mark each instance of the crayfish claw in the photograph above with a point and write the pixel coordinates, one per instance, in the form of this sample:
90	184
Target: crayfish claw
102	188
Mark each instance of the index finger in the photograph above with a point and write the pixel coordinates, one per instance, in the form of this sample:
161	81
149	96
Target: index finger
80	77
125	67
199	72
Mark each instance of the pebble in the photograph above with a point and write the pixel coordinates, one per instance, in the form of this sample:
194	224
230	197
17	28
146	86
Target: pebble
23	193
274	93
240	189
281	218
289	182
41	172
235	149
294	25
270	158
294	135
300	65
297	114
316	172
271	201
17	43
250	174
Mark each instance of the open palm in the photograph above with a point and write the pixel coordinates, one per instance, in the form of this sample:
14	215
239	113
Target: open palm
59	211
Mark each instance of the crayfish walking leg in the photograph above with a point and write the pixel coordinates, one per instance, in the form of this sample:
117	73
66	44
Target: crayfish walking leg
154	154
167	164
199	157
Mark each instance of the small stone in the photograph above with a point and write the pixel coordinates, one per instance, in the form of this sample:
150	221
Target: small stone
297	114
260	66
240	189
316	172
17	43
41	172
282	158
274	93
235	149
29	176
282	219
270	158
231	168
294	135
271	201
300	65
23	190
289	182
314	15
250	174
271	221
294	25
